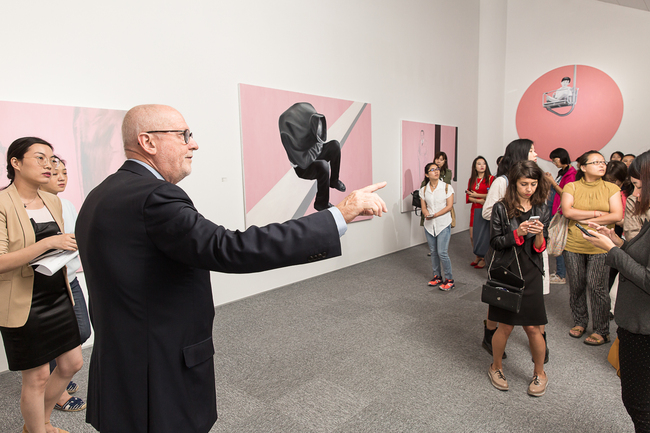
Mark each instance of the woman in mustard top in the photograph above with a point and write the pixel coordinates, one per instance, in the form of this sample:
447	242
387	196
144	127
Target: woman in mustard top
589	199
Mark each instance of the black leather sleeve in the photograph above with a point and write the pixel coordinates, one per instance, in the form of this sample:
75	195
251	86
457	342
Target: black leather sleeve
501	234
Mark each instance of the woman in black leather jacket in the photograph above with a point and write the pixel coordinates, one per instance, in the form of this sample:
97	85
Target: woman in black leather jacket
516	242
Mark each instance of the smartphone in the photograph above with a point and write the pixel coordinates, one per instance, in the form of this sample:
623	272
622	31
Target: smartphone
584	230
534	218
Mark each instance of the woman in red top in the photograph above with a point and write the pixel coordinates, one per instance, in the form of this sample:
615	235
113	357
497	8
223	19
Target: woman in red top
479	229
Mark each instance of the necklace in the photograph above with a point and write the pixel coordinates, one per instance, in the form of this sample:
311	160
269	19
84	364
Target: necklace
29	202
478	183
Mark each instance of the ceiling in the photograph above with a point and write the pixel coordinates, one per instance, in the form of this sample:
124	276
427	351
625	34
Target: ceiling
643	5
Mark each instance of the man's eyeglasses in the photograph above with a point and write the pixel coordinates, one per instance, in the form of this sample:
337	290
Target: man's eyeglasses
596	163
42	161
186	133
436	168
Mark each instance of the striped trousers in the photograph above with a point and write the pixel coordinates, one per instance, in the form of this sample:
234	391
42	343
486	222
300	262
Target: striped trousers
587	273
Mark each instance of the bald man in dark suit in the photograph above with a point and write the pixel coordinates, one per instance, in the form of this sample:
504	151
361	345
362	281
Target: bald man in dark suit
147	255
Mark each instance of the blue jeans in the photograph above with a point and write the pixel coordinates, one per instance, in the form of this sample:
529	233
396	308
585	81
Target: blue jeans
439	246
80	310
561	268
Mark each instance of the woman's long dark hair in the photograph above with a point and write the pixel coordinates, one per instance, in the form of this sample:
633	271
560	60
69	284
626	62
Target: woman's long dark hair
18	149
444	167
516	151
640	169
582	160
486	176
527	170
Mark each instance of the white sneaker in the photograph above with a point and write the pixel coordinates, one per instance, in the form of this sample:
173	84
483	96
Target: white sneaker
554	279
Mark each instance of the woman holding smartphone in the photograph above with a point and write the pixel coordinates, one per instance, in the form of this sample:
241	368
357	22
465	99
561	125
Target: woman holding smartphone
521	149
518	234
632	260
589	199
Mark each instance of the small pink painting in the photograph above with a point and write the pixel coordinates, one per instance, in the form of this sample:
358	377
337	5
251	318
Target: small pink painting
420	143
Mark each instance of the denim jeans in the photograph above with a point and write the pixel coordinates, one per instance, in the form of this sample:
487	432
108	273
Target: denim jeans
439	246
80	310
561	268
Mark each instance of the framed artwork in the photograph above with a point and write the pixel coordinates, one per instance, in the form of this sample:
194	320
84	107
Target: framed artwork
88	139
420	143
281	170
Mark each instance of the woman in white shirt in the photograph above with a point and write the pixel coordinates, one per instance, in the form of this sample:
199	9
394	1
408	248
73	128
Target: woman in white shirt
437	200
58	182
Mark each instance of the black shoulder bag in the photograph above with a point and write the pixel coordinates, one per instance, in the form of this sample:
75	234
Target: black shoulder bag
503	288
416	201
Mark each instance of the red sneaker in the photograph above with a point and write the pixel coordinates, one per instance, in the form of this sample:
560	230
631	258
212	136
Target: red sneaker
435	281
448	285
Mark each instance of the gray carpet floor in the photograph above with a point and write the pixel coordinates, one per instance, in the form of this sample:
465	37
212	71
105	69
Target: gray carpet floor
372	348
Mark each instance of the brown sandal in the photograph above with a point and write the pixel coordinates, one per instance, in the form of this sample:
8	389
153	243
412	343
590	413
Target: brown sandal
576	331
597	341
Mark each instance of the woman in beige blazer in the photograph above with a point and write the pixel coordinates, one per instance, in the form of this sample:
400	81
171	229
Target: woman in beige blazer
37	320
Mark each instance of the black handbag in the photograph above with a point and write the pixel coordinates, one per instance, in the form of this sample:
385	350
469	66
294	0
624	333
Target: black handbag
504	289
416	200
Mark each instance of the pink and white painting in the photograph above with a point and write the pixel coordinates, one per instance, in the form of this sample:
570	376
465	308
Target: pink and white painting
420	143
88	139
273	191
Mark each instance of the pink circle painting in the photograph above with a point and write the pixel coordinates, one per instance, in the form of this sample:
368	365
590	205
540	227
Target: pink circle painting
595	118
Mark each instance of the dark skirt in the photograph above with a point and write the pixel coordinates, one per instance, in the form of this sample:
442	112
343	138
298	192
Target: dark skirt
51	328
481	234
533	311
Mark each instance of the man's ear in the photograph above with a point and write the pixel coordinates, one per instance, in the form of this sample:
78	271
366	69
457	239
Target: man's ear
147	144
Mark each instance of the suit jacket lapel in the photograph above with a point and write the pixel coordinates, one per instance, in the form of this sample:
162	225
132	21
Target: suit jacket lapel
26	225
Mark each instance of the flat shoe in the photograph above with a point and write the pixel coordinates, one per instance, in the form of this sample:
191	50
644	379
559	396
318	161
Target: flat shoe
473	264
74	404
72	388
597	341
578	331
479	267
59	430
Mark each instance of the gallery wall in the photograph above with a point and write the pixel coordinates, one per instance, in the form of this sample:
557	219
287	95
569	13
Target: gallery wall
544	35
412	60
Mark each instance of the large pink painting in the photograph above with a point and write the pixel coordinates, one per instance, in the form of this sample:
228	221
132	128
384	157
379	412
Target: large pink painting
273	190
576	107
420	143
88	139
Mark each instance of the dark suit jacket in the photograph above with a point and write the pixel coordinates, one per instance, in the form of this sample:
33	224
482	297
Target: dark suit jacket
147	253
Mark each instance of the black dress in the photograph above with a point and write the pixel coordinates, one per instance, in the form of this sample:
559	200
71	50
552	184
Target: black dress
51	328
532	311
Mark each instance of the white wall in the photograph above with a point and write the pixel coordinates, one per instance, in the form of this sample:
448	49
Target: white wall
492	62
412	60
612	38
